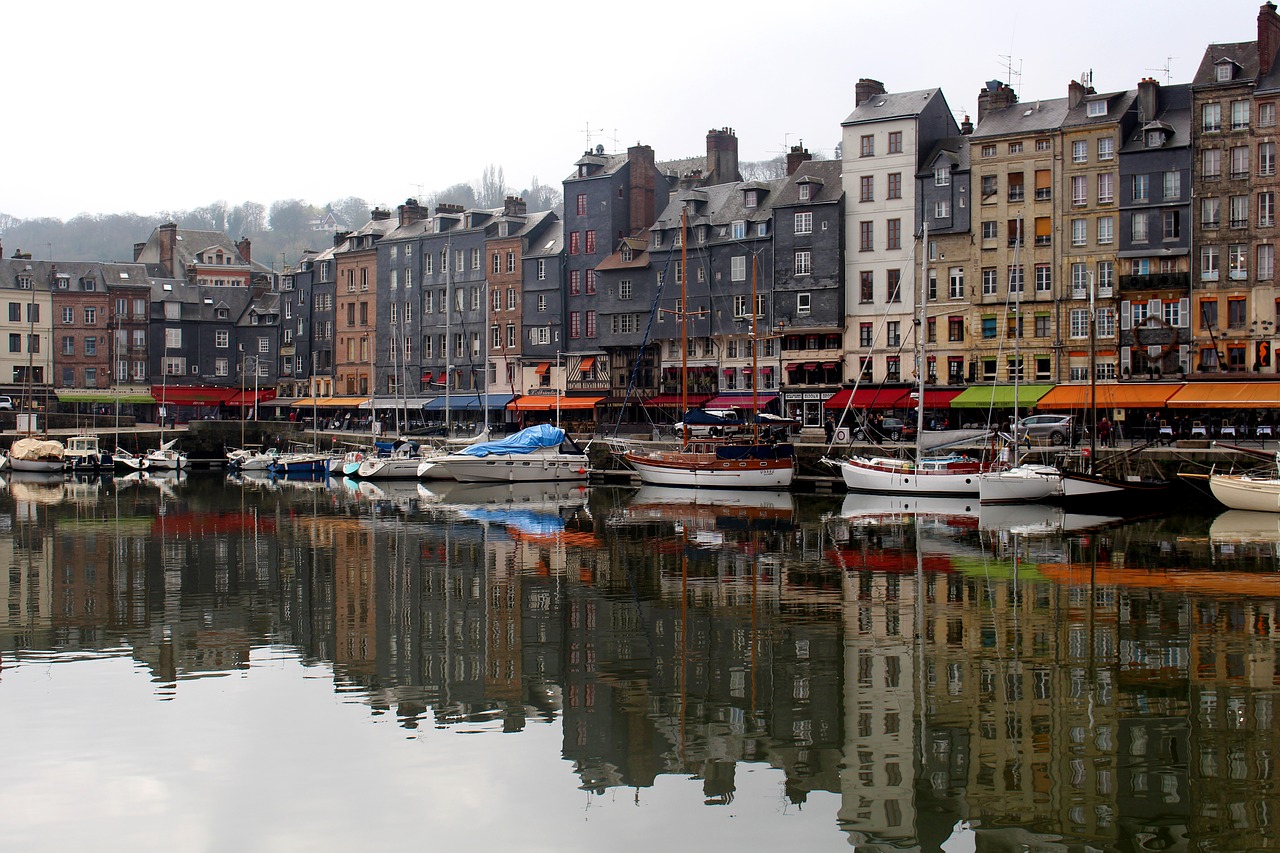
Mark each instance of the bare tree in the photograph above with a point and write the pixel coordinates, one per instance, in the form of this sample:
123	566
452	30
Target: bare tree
492	191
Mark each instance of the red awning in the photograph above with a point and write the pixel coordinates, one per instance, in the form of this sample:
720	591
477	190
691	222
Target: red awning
935	399
674	400
250	397
768	370
811	366
193	395
427	377
830	365
741	401
793	367
728	371
543	368
871	398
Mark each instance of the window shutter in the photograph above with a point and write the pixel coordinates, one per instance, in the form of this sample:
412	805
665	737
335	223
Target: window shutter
1126	315
1125	359
1184	313
1184	358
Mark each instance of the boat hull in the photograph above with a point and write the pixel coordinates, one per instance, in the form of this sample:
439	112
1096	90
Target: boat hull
1077	487
1021	484
862	475
668	469
37	466
521	468
393	468
1249	493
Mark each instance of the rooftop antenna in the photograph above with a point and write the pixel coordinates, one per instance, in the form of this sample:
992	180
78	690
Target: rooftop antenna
1014	76
1166	70
589	132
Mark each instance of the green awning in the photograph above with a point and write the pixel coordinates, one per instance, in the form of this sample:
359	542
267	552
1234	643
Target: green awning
999	396
101	397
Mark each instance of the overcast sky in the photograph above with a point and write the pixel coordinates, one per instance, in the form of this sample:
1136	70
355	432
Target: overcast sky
148	106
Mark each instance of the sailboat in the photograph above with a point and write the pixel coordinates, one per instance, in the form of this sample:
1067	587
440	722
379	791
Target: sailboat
1099	482
952	474
753	464
1028	481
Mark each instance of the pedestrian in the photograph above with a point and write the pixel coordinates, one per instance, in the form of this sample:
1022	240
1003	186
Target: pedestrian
830	428
1104	432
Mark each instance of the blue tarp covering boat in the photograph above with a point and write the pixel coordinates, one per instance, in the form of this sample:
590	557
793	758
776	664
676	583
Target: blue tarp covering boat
525	441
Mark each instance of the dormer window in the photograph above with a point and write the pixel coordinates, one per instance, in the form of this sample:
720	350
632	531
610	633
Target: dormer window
25	282
223	314
751	198
1155	138
739	230
942	177
657	239
64	282
804	192
90	284
626	254
1096	109
1224	71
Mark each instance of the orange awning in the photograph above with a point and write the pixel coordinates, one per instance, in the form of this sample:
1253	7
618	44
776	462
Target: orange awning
543	368
587	363
547	403
1227	395
1129	395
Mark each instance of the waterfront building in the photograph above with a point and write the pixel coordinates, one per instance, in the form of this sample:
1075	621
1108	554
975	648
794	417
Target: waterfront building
26	361
323	294
355	305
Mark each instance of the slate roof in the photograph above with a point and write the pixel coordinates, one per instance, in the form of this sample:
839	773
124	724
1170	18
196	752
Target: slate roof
891	106
1243	53
954	149
1174	113
104	273
720	204
549	243
188	242
1022	119
1118	103
823	177
610	163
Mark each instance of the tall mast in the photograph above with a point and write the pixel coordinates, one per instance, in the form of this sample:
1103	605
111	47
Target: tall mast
921	326
1093	378
755	395
684	322
448	301
1017	329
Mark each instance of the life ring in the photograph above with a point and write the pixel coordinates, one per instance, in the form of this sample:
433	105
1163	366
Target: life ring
1154	322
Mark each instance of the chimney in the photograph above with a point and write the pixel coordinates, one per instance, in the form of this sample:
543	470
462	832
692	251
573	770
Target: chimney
966	126
514	206
137	251
722	156
1268	37
340	237
995	96
1148	98
410	212
448	208
866	88
797	155
642	184
245	248
379	215
1076	92
168	234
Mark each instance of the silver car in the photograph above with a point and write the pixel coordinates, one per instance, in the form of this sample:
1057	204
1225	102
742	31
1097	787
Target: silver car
1051	429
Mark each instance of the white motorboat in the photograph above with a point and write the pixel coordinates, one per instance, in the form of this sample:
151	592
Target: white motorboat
250	459
82	453
166	458
129	461
400	464
540	452
37	455
1020	484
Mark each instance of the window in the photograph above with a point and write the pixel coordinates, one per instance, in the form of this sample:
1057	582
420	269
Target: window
1042	326
1016	189
1106	319
575	282
1080	151
895	142
955	329
1211	118
1210	212
804	264
591	281
989	186
575	324
1141	187
591	242
1266	115
1266	209
1238	206
1044	278
1209	261
955	283
893	285
1079	190
1172	224
1138	227
989	281
942	210
497	263
803	303
866	287
1209	313
895	185
68	345
475	259
542	270
15	342
893	234
172	339
575	242
738	268
1079	322
1079	232
1266	262
1239	115
1266	158
1106	148
1106	229
866	188
222	339
1240	161
989	327
68	314
33	313
1238	267
1079	281
942	176
1106	188
989	230
866	234
893	333
988	151
542	302
1172	185
1015	147
1211	164
264	345
739	230
804	191
582	204
1236	313
804	223
867	146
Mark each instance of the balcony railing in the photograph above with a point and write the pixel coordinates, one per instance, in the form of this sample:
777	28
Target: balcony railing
1156	281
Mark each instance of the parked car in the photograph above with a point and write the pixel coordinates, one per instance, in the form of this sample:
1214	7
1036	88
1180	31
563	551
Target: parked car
710	422
888	429
6	404
1047	429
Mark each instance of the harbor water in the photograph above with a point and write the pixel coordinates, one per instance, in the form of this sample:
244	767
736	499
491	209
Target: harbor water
206	663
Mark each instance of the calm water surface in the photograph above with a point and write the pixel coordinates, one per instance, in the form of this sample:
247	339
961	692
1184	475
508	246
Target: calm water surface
209	665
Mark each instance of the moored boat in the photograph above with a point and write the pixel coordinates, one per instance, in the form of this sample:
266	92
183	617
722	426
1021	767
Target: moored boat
540	452
37	455
82	453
